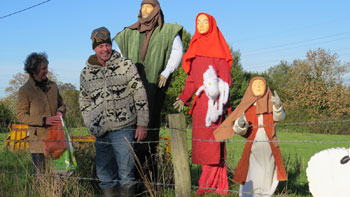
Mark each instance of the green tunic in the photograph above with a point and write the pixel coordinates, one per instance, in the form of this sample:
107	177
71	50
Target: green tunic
158	52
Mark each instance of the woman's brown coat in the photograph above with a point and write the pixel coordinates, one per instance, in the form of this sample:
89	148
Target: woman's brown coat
33	105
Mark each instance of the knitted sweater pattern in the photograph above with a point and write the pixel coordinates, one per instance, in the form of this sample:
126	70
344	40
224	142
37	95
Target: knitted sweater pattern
112	96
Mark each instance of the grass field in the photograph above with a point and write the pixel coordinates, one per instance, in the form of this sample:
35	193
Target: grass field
296	148
2	138
302	144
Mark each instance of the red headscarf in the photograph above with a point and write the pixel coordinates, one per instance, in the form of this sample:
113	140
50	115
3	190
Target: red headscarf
210	44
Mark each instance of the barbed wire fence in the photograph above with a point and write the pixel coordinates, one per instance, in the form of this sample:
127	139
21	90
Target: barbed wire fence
170	184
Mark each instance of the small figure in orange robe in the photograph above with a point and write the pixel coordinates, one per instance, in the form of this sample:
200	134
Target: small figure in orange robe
261	166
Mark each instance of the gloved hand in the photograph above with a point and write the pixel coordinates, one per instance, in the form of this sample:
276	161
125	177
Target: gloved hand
179	104
161	81
276	100
241	122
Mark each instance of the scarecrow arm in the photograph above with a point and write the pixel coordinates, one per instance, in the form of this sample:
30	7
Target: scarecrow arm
173	62
278	114
241	125
278	111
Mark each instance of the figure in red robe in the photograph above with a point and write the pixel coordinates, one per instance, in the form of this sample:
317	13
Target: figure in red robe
261	165
208	63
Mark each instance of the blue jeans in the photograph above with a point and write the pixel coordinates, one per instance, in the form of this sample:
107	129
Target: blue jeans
114	158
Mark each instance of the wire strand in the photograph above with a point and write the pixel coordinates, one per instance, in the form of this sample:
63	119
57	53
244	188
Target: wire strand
25	9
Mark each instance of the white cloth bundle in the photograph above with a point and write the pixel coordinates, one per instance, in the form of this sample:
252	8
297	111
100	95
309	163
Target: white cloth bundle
217	91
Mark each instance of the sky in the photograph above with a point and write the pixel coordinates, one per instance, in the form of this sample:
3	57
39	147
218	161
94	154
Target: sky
265	32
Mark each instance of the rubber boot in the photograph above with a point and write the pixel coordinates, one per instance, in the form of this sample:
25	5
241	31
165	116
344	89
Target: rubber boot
110	192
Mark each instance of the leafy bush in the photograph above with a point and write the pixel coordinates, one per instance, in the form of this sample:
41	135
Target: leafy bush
6	116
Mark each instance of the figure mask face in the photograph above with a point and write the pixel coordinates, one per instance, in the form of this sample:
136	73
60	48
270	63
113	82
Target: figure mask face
258	87
202	24
146	10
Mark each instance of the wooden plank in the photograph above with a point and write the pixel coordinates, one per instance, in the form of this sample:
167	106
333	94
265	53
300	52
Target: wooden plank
179	152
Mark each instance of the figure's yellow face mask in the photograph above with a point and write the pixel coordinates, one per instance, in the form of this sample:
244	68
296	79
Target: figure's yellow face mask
202	24
258	87
146	10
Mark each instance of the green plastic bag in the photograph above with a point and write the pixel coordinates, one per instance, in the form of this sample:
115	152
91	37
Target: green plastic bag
66	163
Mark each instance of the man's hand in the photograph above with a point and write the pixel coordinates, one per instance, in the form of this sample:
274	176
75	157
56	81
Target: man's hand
161	81
276	100
53	120
179	104
141	133
241	122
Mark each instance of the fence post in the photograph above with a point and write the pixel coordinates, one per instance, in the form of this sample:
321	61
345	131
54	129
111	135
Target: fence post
179	154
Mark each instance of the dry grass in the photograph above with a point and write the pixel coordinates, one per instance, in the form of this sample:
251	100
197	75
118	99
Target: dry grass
165	175
16	170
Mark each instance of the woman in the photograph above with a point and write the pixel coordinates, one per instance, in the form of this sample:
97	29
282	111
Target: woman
39	105
207	61
261	165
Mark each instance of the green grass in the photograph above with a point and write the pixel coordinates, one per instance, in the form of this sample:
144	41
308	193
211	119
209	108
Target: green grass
15	173
81	131
307	144
303	144
16	178
2	138
296	148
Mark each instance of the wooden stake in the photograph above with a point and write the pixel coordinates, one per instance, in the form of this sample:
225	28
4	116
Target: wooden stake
179	154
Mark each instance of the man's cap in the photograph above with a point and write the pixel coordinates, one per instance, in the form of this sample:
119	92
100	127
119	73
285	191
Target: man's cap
99	36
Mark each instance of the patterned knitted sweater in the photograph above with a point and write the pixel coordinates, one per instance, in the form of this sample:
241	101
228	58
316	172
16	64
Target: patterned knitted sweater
112	96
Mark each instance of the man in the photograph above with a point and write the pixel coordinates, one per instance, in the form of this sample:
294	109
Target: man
39	105
112	101
156	49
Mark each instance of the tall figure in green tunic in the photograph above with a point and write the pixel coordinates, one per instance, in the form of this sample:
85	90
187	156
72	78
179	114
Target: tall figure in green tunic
156	49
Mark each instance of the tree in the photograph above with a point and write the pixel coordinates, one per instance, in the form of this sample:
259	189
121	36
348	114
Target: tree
70	95
315	88
176	85
277	78
240	80
66	86
18	81
186	39
6	116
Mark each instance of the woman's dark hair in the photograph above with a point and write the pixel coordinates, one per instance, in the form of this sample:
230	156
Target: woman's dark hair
33	62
